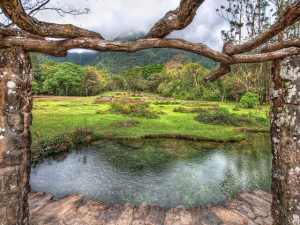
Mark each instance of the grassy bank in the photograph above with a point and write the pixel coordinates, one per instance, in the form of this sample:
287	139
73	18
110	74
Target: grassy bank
56	117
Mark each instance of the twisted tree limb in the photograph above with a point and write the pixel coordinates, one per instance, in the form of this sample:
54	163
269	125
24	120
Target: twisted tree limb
251	58
291	15
13	9
217	74
295	42
18	33
175	20
60	48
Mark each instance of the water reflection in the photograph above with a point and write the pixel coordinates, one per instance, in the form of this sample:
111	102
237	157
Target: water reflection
159	172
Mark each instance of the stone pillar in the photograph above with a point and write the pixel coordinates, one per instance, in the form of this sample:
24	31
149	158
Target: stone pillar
285	134
15	137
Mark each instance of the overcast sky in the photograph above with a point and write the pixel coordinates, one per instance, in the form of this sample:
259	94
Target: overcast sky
112	18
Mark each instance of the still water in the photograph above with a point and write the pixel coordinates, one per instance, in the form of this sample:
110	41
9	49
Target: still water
160	172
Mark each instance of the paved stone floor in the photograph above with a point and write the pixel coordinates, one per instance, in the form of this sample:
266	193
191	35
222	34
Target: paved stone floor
247	208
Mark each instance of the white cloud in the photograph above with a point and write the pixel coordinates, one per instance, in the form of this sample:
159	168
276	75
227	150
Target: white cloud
114	17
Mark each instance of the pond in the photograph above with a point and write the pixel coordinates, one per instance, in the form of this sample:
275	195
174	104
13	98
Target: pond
160	172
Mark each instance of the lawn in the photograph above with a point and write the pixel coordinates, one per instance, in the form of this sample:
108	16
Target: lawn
58	116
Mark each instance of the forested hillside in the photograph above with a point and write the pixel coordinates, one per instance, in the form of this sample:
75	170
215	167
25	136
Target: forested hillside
117	62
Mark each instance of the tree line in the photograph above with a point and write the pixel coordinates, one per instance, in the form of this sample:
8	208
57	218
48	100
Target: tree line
176	78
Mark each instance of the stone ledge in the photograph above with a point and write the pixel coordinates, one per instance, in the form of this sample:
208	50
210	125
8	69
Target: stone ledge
246	209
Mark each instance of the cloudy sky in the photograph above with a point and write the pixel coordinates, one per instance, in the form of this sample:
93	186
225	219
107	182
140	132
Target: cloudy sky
113	18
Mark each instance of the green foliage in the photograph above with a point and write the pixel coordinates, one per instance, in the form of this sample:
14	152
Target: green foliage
151	69
140	109
94	81
63	143
249	100
222	116
179	78
244	78
62	78
59	144
68	79
199	104
185	81
134	80
192	110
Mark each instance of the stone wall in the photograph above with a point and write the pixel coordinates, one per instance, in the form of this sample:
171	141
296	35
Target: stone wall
15	138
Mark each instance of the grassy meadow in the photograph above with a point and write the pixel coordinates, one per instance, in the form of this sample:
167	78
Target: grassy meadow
56	118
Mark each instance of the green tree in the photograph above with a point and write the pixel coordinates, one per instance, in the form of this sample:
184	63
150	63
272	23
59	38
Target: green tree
134	80
249	100
94	81
185	81
151	69
63	78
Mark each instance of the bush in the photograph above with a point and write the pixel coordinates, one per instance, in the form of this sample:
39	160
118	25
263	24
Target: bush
83	135
63	143
199	104
249	100
223	117
190	110
137	109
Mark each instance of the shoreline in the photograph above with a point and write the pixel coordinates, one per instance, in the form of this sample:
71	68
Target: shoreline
56	148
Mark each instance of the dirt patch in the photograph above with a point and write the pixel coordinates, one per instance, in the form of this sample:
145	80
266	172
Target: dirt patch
42	98
110	99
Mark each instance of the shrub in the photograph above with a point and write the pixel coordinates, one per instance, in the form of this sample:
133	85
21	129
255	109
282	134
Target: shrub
137	109
236	108
100	111
83	135
191	110
63	143
223	117
249	100
198	104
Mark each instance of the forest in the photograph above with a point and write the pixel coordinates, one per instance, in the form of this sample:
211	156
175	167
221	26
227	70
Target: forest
179	78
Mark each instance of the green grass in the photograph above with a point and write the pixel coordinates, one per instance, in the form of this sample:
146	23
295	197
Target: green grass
60	116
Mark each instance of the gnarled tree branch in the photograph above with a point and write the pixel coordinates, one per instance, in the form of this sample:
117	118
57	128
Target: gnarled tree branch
18	33
175	20
295	42
291	15
14	11
60	48
217	74
251	58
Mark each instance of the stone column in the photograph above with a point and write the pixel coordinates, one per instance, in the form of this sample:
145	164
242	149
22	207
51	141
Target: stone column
285	134
15	137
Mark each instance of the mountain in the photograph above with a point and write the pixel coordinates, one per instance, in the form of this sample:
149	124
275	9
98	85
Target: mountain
117	62
130	36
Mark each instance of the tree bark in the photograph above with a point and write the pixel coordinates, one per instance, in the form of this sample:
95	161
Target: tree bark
15	137
285	134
